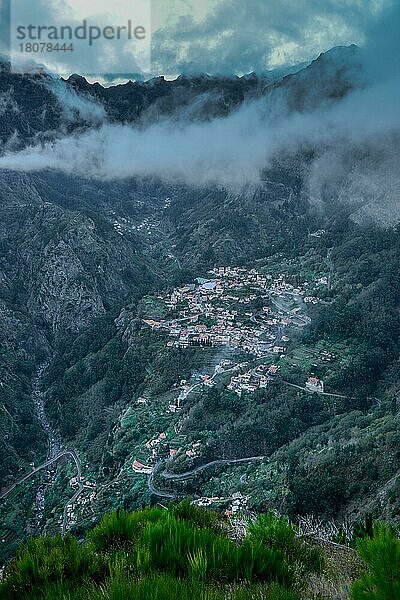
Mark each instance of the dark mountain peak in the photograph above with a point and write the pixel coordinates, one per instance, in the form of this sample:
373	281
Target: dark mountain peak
77	80
159	80
345	60
250	76
339	54
329	77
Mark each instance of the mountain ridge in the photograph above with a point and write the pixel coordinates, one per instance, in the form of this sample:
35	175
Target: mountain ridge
84	261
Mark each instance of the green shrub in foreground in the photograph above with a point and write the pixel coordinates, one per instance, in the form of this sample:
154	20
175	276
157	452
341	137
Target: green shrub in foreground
45	561
164	587
177	554
381	554
196	516
278	533
179	549
121	529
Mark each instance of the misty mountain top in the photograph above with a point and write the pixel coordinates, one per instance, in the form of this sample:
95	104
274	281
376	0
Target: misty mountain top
336	122
48	102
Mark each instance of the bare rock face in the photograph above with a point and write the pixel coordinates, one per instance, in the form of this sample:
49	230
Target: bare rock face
127	324
64	296
328	78
63	262
61	265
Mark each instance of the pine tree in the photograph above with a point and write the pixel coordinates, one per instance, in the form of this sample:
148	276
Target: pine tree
381	553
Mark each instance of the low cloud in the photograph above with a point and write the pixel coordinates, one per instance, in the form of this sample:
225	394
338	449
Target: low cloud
355	142
240	37
101	56
214	36
232	151
76	107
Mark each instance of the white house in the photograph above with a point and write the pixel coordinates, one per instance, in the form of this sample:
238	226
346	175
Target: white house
313	384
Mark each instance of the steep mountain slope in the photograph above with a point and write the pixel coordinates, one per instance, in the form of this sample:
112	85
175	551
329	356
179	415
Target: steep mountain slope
36	106
328	78
302	437
331	76
83	261
60	268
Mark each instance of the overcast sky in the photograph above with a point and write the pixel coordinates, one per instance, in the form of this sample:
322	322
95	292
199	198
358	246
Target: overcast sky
355	141
214	36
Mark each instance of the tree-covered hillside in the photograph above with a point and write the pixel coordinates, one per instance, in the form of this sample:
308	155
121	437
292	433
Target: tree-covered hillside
125	379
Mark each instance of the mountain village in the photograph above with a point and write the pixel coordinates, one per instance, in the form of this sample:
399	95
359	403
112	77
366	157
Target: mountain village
242	312
236	307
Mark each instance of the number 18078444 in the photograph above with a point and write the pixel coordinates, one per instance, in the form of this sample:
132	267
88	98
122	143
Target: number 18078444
38	47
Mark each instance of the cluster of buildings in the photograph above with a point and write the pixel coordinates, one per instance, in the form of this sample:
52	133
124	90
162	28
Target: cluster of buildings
237	308
83	502
154	442
154	447
221	311
207	500
236	503
193	451
253	380
160	445
140	467
311	300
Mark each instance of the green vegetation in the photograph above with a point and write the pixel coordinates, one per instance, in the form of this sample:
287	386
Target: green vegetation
181	553
19	431
190	553
348	444
98	374
381	554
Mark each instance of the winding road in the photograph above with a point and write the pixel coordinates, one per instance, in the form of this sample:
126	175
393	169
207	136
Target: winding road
188	474
55	453
222	461
153	489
